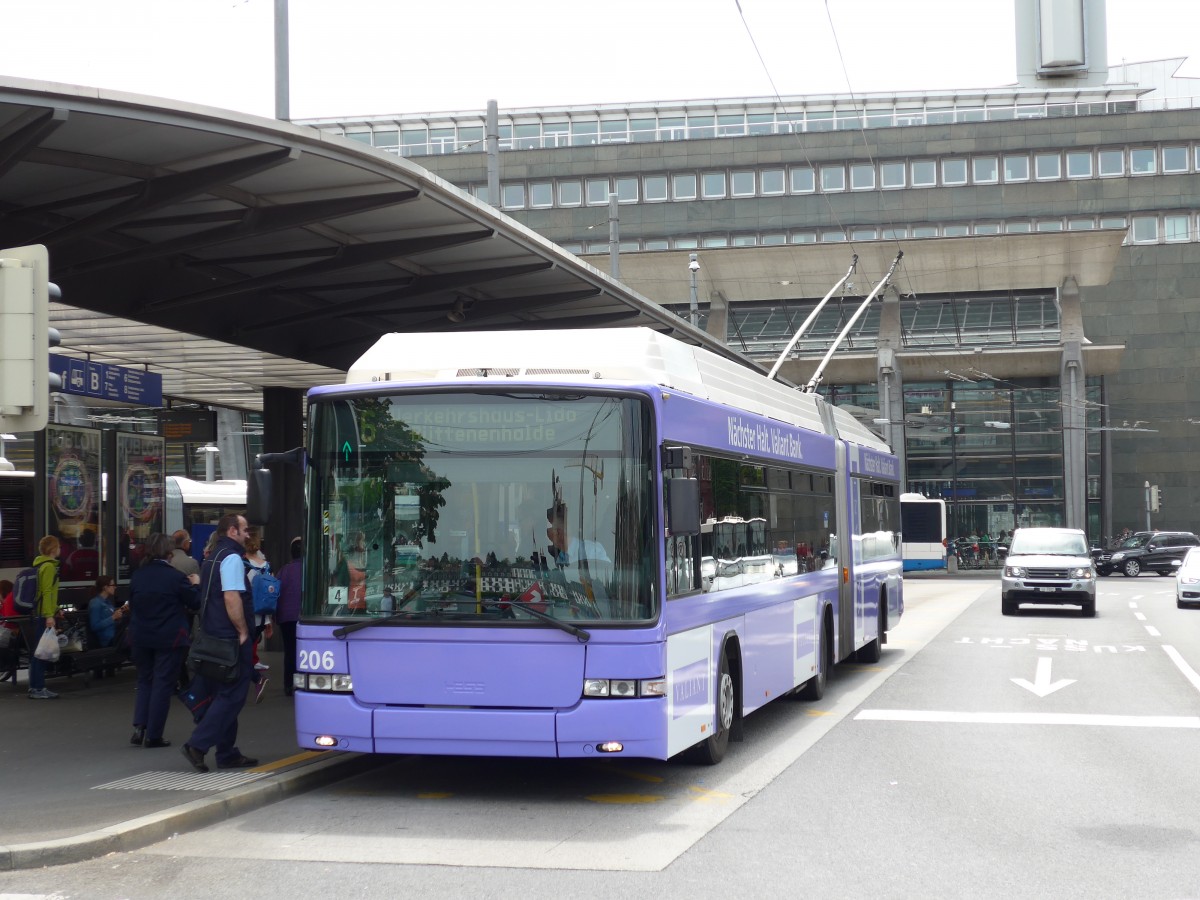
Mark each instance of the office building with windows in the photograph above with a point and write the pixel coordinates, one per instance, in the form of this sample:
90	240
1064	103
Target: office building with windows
1034	353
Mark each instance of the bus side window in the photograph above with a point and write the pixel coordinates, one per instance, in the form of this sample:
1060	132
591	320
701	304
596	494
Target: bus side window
680	564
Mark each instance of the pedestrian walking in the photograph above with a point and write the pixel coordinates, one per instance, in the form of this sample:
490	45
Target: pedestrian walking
227	612
256	565
287	612
45	609
160	598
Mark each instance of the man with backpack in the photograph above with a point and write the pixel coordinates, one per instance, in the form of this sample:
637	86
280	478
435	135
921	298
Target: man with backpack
35	592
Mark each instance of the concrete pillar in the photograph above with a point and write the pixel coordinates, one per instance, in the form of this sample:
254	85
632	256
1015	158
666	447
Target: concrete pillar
231	442
718	316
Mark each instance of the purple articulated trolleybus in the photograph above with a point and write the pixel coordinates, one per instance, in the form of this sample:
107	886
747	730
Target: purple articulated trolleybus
579	544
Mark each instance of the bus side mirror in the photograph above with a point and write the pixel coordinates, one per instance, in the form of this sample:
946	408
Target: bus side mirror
258	496
683	506
258	485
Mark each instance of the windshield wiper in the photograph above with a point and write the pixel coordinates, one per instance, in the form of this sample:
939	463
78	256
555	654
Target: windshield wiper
580	634
367	623
371	623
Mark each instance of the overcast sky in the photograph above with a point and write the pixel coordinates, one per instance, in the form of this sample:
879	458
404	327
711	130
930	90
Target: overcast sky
391	56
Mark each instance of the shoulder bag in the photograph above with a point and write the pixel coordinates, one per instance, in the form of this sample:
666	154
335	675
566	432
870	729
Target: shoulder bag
214	658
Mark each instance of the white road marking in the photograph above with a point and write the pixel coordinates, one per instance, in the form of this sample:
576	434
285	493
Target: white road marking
1188	672
1000	718
1133	605
1152	631
1041	684
1141	617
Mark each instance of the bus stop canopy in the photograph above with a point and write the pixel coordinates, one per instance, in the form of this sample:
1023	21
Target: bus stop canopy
283	250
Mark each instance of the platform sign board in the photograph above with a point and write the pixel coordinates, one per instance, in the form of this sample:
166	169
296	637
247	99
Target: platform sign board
188	426
86	378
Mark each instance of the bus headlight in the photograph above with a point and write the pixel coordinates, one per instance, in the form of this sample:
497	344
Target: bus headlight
619	688
332	682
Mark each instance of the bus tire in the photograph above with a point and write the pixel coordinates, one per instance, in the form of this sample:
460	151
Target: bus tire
872	652
711	750
814	688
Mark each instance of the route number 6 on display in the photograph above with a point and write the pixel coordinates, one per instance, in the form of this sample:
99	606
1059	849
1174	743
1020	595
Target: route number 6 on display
315	661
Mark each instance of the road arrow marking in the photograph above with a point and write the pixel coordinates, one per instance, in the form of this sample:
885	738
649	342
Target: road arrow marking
1041	684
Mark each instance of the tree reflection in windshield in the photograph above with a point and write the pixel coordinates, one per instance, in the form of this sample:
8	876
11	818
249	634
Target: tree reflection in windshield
459	506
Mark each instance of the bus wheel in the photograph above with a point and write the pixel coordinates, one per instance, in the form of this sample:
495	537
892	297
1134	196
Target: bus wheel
712	749
871	653
814	688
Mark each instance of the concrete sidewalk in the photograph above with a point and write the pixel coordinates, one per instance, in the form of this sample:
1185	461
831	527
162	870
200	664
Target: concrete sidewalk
75	788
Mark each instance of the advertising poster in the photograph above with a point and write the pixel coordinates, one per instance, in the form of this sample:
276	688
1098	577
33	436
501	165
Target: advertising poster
73	500
140	480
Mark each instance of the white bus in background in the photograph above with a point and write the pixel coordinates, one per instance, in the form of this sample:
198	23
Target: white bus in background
923	532
197	506
192	503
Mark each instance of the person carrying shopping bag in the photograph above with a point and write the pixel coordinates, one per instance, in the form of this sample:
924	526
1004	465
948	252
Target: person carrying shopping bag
45	609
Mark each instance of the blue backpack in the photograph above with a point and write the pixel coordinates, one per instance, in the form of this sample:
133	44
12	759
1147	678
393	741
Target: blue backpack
25	588
264	592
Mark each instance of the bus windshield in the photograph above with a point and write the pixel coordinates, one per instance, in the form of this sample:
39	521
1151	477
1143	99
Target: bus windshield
445	508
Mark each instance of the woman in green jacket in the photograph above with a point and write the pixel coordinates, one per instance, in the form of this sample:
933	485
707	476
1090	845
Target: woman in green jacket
47	608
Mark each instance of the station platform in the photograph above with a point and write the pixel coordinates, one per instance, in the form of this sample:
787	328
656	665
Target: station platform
75	788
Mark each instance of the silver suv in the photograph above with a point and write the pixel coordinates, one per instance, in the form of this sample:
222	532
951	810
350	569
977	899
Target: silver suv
1048	565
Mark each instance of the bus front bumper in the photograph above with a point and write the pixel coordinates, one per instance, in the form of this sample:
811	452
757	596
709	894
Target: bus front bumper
638	726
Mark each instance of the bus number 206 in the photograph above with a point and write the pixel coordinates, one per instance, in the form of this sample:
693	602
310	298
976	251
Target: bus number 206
315	661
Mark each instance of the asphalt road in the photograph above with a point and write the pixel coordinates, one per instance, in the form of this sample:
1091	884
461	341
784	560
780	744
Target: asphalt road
1040	755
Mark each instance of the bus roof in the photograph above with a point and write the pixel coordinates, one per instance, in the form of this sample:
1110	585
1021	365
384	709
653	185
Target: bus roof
583	356
231	491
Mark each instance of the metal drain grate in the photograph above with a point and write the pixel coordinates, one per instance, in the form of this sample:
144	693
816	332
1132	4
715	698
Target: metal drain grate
182	781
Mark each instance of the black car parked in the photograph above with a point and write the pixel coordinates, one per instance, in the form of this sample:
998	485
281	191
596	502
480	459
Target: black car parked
1153	551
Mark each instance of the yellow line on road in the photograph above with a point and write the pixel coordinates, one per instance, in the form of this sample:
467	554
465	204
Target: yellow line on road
707	796
623	798
289	760
625	773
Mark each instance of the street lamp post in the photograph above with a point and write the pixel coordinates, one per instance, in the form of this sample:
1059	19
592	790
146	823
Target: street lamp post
955	518
693	304
282	66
